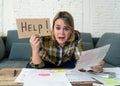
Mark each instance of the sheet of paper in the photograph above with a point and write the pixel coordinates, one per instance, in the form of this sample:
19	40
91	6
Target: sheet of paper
71	75
25	72
57	79
43	77
77	76
92	57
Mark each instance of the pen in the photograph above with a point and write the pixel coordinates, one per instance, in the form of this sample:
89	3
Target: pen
97	80
14	73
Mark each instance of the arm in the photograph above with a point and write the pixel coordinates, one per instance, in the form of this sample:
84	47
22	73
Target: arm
78	49
35	45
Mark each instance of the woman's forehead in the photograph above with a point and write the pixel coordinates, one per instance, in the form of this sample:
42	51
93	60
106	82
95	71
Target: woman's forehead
60	22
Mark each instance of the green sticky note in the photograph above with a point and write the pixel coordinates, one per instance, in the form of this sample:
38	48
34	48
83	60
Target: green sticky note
111	81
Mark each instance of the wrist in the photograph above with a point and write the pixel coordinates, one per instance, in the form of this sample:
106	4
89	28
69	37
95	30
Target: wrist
40	65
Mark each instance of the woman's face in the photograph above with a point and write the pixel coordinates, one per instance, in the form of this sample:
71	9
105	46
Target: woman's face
61	32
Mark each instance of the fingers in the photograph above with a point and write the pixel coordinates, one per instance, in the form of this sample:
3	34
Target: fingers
99	67
35	41
101	63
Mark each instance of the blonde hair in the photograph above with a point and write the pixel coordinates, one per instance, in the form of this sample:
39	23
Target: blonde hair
68	19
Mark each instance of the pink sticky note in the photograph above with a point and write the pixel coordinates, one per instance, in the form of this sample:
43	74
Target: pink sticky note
44	74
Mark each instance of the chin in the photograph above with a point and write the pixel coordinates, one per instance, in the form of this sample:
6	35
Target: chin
61	42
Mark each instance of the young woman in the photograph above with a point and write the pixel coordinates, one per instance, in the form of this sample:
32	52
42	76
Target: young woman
60	50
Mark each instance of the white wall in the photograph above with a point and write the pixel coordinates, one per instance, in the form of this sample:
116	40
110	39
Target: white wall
1	18
104	16
40	9
94	16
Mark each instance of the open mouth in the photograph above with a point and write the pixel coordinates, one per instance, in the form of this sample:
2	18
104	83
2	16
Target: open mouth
61	38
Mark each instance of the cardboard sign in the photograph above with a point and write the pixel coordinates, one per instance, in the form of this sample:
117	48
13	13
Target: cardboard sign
27	27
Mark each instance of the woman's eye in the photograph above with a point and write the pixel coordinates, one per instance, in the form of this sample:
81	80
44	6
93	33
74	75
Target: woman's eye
66	29
58	28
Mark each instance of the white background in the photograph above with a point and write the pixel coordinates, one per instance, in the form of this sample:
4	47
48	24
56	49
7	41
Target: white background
93	16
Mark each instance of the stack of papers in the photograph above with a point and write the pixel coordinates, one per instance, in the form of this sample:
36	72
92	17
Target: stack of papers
29	77
77	76
34	77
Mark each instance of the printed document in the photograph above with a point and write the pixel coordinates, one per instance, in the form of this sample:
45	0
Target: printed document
77	76
71	74
43	77
92	57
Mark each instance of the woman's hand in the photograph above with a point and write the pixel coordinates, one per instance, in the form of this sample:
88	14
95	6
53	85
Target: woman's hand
99	67
35	42
35	45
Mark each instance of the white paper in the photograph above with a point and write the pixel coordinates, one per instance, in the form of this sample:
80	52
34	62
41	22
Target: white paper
92	57
77	76
42	77
71	74
58	79
24	72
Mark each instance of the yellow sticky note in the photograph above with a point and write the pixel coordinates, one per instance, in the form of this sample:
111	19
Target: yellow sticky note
111	81
57	71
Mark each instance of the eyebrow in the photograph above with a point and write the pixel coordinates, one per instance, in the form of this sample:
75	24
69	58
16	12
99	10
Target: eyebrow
57	25
64	26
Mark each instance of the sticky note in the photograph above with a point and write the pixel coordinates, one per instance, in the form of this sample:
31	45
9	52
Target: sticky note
111	81
57	71
44	74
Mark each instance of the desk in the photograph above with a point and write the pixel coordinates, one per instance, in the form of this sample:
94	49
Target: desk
7	78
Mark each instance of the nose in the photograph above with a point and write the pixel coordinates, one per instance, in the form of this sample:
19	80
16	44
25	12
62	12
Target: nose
62	31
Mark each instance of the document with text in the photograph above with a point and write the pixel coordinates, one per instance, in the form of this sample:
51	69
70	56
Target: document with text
43	77
92	57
